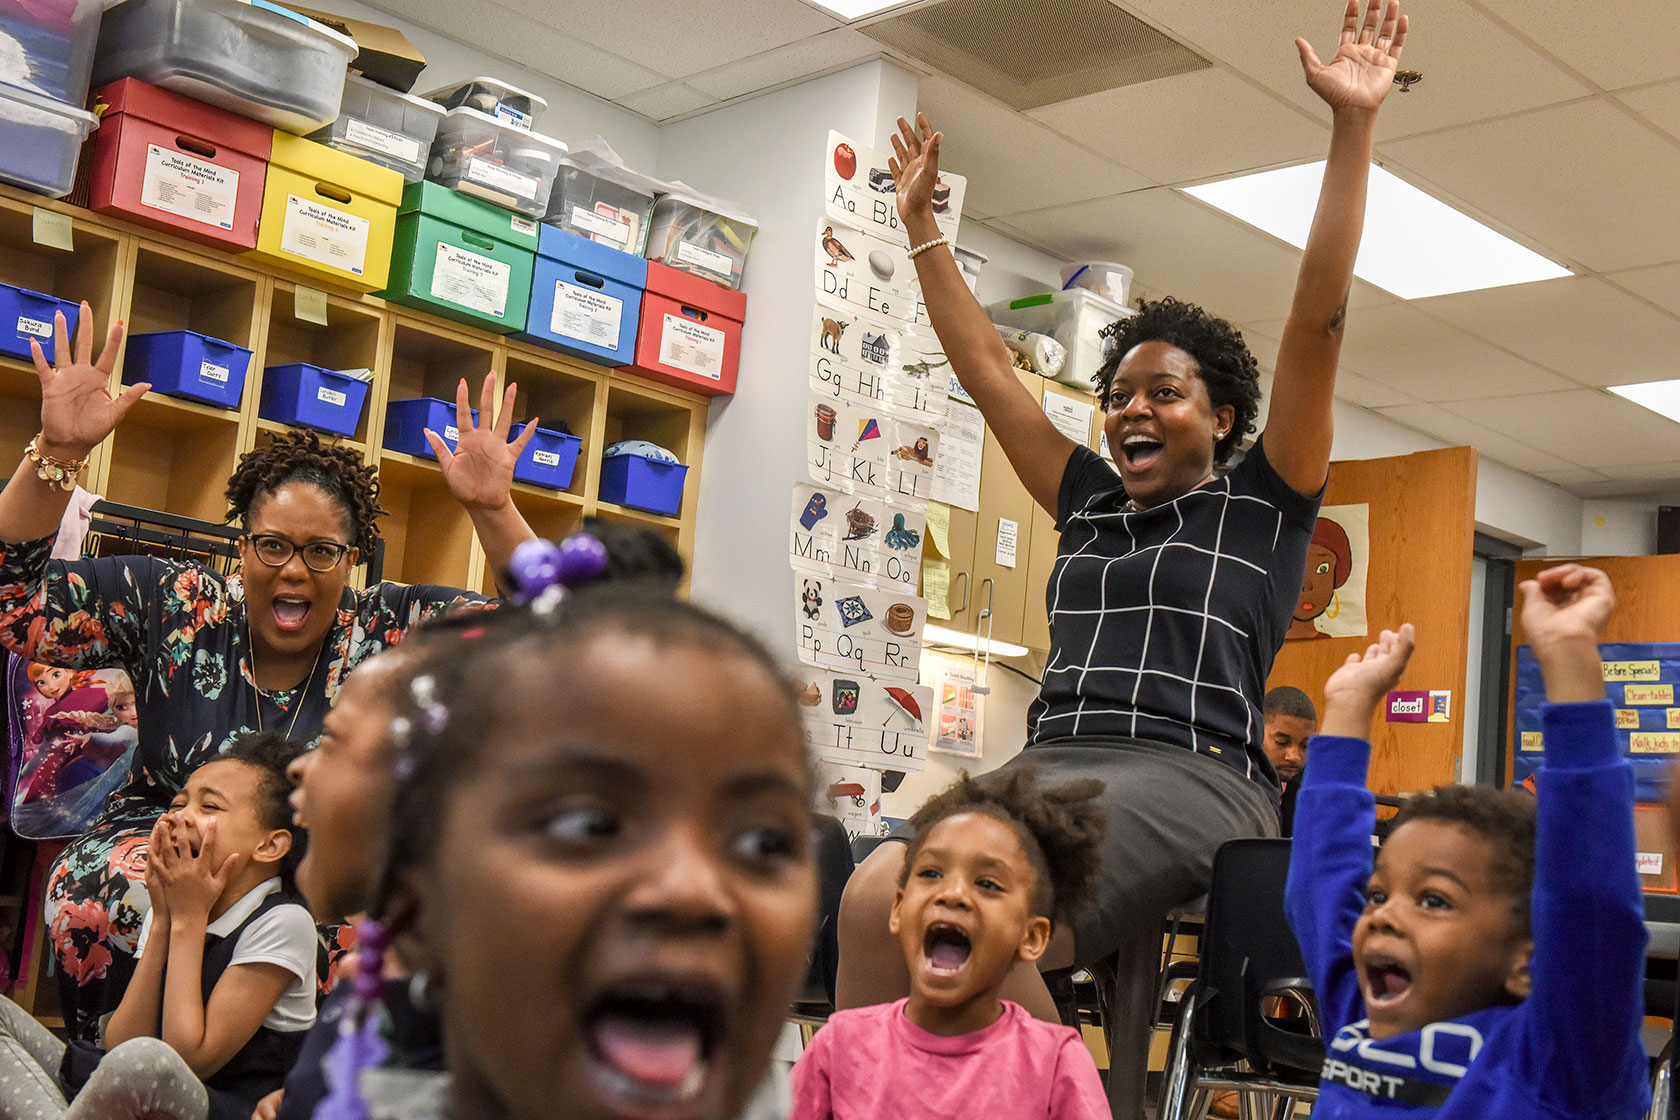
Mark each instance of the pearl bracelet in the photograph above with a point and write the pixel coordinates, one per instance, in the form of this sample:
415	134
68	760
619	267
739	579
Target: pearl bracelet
934	244
54	472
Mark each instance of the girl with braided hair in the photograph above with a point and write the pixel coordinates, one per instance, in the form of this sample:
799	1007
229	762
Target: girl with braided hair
211	657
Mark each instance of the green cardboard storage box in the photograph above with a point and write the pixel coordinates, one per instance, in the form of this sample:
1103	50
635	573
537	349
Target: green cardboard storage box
462	258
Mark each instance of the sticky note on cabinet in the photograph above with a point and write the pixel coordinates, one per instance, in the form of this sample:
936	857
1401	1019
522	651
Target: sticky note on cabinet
310	305
52	229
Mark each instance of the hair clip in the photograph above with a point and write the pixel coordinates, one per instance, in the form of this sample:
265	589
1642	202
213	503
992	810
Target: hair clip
541	570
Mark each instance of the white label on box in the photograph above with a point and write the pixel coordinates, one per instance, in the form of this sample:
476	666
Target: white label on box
189	188
330	396
210	371
471	281
451	434
691	347
324	235
36	327
1009	533
545	458
524	225
382	140
513	116
705	258
615	231
496	176
1648	863
586	315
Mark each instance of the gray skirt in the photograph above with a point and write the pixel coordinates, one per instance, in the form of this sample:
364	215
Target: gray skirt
1168	811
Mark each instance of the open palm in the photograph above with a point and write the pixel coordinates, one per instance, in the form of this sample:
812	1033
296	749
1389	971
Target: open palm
1367	56
77	408
915	166
479	472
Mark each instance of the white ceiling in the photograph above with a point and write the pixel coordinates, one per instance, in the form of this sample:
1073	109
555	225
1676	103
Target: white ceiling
1556	122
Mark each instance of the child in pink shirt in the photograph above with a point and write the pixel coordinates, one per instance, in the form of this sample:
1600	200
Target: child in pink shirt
993	860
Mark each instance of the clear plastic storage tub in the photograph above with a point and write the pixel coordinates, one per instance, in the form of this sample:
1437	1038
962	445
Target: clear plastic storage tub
55	44
479	155
602	202
39	141
383	126
691	235
1080	320
492	98
253	59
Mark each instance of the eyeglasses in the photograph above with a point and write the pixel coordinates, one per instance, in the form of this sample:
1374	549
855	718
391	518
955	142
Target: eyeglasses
276	551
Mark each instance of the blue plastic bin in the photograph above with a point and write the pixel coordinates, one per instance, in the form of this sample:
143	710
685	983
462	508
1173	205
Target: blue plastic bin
188	364
307	396
25	315
548	460
406	422
586	298
639	482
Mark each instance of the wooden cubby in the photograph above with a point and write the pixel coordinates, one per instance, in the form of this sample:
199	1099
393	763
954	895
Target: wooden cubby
354	337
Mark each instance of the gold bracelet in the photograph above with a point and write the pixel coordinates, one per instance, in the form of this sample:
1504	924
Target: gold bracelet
54	472
934	244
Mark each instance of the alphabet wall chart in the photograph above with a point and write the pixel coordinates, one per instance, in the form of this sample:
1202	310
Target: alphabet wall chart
878	389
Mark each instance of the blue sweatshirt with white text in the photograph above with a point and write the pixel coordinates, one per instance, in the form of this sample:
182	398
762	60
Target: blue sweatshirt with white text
1572	1048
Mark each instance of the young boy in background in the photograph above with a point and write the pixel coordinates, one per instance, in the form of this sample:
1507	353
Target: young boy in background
1491	964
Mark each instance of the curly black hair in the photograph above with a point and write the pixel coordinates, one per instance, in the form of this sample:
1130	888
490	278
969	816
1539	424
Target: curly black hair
300	456
1229	371
269	753
1504	817
1060	828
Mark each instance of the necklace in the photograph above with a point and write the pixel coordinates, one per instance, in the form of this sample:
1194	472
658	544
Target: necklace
303	690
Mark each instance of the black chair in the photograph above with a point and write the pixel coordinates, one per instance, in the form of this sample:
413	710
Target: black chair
1228	1035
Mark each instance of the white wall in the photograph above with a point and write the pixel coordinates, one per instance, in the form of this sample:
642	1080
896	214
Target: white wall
1618	528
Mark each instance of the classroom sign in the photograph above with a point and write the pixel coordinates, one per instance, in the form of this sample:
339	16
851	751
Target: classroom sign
1640	679
850	627
833	533
869	453
861	191
879	363
867	274
856	720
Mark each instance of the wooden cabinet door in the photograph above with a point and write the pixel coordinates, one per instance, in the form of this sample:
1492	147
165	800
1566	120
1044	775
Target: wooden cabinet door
1043	539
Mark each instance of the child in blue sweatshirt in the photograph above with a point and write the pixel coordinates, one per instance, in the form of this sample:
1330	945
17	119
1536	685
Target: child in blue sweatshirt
1491	963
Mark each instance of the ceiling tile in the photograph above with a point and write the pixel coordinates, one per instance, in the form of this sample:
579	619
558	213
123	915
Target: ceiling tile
1658	104
1579	326
1649	472
1014	163
1238	127
1572	476
1654	490
1615	43
1456	429
1402	348
1575	179
682	37
664	102
1660	285
1175	244
804	59
1588	427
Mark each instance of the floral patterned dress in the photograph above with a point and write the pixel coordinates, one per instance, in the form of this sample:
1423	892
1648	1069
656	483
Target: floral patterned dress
180	631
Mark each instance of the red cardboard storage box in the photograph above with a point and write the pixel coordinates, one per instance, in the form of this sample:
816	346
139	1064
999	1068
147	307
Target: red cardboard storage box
175	164
690	334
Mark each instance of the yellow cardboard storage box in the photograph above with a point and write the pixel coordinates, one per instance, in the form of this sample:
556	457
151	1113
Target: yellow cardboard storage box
328	215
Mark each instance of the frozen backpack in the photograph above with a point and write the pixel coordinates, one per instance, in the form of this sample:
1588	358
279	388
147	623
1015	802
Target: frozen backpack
72	736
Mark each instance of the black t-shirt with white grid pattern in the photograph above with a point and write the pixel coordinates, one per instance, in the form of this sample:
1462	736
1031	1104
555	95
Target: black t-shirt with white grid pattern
1164	622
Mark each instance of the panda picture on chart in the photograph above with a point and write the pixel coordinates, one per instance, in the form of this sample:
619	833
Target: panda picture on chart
810	598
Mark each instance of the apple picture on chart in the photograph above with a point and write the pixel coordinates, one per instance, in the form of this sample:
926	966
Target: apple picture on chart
845	161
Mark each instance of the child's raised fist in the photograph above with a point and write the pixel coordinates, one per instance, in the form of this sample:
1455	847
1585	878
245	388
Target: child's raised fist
1565	603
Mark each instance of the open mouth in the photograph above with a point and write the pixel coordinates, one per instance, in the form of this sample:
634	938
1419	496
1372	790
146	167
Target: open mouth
946	948
290	613
1141	452
1386	982
653	1046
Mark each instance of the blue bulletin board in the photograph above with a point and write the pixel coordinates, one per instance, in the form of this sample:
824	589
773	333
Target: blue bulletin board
1643	680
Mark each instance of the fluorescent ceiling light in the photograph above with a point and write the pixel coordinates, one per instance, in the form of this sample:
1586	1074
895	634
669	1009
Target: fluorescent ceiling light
850	10
1414	244
1658	396
939	636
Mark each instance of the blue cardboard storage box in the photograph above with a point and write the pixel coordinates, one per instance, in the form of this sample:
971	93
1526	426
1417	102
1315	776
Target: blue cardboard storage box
406	422
548	460
643	482
188	364
25	315
586	298
308	396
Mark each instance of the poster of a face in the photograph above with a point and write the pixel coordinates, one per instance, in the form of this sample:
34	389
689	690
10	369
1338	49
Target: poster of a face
1332	599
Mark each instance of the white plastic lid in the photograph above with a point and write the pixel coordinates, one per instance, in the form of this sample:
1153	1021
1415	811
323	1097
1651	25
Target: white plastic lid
344	41
711	205
501	88
41	109
414	102
524	137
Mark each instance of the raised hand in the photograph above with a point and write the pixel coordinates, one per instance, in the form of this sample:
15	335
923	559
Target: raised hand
1353	691
77	409
479	472
1564	610
915	169
1362	69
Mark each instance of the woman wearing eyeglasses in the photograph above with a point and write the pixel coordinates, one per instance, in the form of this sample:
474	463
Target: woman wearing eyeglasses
211	657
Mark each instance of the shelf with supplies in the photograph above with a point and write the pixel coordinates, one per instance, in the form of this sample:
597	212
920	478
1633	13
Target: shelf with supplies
174	453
